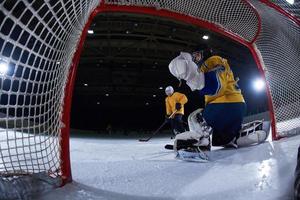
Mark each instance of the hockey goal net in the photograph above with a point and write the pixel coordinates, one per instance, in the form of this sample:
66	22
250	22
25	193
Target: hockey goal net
40	45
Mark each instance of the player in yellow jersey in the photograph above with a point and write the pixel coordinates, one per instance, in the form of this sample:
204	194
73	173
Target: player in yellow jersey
175	103
224	102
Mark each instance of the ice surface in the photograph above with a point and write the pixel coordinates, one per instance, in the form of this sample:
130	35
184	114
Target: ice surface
129	169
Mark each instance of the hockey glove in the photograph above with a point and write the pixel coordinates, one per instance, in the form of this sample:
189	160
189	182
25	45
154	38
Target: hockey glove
178	106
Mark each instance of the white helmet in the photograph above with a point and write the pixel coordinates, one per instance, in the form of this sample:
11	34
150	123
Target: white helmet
182	67
169	90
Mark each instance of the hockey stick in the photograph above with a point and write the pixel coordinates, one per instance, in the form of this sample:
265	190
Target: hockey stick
156	131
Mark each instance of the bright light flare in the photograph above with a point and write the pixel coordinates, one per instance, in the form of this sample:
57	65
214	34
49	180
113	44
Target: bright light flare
3	67
205	37
290	1
259	85
90	31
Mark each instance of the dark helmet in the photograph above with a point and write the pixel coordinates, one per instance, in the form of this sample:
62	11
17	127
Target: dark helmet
204	50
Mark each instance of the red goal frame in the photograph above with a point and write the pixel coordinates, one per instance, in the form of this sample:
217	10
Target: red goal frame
102	7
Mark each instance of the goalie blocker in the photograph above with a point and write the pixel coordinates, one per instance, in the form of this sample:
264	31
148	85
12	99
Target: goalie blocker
199	135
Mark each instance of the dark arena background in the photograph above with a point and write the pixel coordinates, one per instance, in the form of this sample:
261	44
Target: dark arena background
81	81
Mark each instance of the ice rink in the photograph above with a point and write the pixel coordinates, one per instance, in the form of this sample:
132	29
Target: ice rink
129	169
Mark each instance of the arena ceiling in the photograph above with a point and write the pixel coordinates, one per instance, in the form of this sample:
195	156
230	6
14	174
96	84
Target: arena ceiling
123	68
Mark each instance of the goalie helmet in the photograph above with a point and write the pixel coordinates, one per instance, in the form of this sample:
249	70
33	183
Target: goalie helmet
201	53
169	90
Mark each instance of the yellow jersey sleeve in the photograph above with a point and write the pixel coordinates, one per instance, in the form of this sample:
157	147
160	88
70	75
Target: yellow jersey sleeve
182	98
220	85
213	63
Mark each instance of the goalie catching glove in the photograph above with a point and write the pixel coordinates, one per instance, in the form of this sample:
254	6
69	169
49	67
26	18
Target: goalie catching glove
183	67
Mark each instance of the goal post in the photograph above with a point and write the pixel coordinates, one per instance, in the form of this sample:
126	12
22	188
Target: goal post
40	47
38	41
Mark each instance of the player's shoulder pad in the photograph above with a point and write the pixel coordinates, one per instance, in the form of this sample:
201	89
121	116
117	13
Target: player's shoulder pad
215	57
178	93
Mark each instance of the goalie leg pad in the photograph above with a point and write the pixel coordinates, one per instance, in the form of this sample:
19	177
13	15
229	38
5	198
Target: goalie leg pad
252	138
254	132
198	124
184	144
191	139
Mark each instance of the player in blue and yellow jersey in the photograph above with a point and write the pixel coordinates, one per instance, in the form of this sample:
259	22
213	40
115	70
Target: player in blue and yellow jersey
224	102
175	104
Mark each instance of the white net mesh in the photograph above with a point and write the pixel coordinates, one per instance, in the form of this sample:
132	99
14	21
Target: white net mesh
39	38
279	45
291	6
235	16
37	43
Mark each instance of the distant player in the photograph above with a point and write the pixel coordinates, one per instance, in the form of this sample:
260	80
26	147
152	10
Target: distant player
224	103
175	102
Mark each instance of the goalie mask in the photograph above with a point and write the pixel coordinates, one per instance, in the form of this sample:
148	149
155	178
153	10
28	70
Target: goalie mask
183	67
